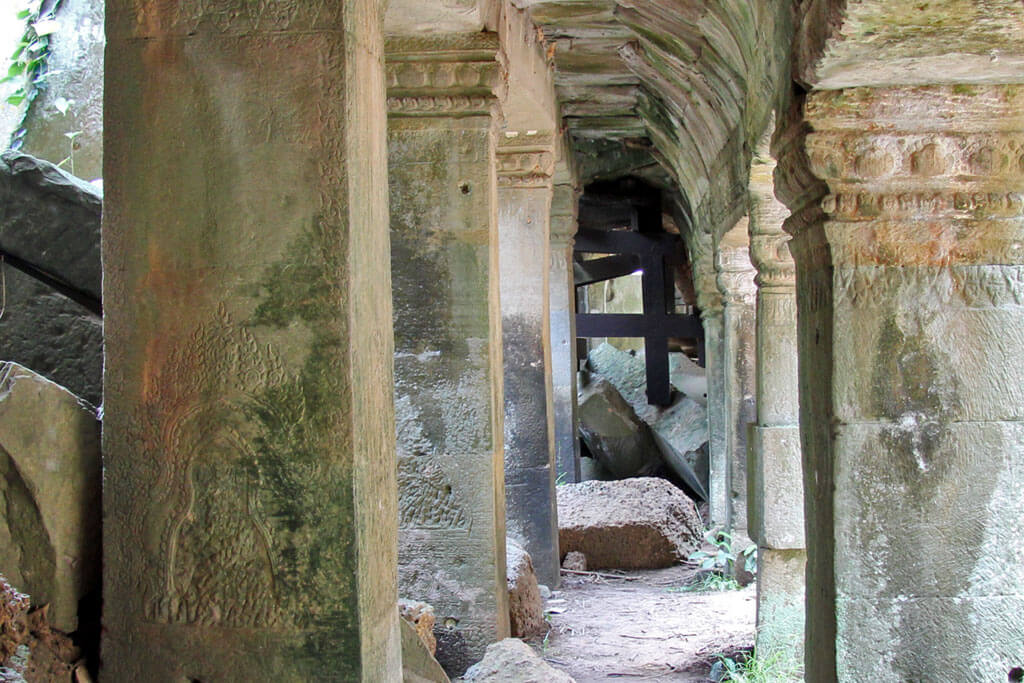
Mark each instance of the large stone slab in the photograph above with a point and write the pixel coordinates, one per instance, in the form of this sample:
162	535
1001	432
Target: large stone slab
75	73
613	433
52	220
680	429
53	335
641	523
50	484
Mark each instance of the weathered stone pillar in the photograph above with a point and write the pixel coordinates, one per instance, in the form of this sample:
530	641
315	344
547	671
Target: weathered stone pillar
448	372
911	319
563	330
709	299
739	320
525	167
249	488
775	485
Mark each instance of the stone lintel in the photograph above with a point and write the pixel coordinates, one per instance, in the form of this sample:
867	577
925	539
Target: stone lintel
842	44
445	75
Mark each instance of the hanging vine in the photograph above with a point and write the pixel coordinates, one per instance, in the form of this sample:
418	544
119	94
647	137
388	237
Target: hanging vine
28	65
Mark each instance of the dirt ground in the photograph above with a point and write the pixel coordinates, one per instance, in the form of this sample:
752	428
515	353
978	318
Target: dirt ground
644	627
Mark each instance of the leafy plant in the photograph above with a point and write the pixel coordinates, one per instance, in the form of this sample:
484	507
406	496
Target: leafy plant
724	556
719	564
28	62
756	668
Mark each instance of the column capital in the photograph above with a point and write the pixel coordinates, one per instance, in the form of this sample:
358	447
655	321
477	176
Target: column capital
446	76
769	243
734	273
526	160
920	176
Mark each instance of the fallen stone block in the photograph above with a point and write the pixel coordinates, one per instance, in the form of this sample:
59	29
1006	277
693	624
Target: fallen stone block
421	616
51	219
526	609
688	377
679	430
50	480
513	661
642	523
418	664
575	561
613	433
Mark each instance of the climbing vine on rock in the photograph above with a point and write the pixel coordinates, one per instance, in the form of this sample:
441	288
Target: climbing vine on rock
28	61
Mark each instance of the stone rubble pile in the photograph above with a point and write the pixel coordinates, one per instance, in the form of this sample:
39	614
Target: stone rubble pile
628	437
639	523
513	661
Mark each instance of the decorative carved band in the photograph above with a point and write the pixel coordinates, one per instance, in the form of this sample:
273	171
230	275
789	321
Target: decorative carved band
444	76
972	287
458	105
918	176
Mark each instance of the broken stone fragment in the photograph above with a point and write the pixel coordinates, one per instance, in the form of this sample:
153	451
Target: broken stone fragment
421	616
418	664
575	561
613	433
526	609
679	430
513	661
50	480
642	523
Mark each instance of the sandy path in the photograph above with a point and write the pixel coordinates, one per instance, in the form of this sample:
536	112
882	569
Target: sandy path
644	629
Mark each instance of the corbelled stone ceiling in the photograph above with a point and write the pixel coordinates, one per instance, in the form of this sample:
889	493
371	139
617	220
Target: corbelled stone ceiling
674	91
689	82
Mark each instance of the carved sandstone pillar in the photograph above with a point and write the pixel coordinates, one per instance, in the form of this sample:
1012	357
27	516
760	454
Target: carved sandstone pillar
442	114
776	502
735	277
911	319
525	167
249	490
709	299
563	330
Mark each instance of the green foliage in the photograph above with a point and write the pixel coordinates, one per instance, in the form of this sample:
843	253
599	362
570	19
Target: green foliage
724	556
773	667
28	62
719	564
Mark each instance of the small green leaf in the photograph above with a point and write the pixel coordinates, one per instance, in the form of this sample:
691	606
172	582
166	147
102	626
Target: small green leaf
24	14
15	99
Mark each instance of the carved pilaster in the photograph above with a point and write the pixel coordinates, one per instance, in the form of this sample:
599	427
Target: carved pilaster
455	76
735	275
910	269
925	176
769	243
526	160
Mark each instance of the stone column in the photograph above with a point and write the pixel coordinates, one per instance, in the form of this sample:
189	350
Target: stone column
911	318
776	501
525	167
563	331
248	440
448	374
739	320
709	299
